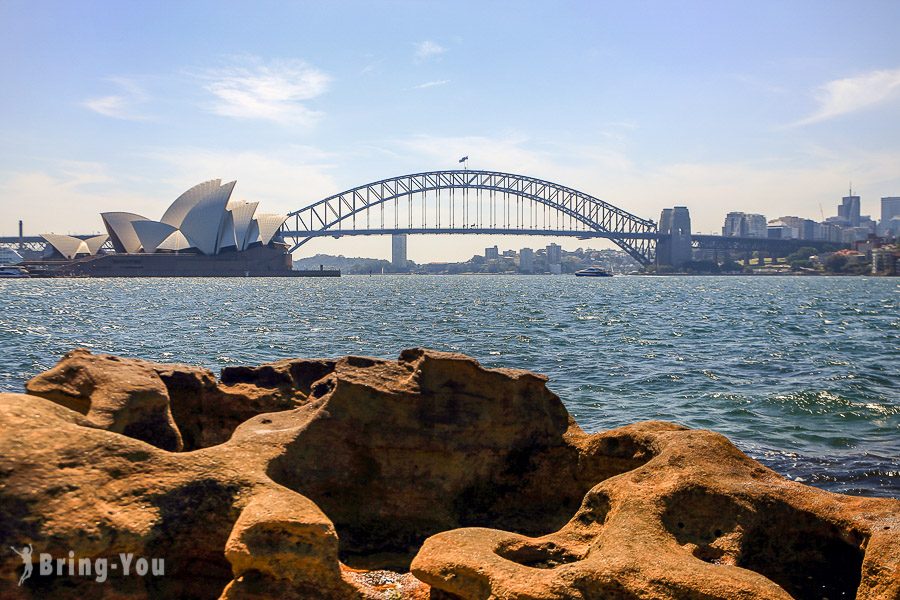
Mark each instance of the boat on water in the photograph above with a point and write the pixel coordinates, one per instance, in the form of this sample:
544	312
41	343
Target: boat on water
13	272
593	272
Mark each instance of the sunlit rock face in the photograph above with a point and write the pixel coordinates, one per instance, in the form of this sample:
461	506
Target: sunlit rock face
425	477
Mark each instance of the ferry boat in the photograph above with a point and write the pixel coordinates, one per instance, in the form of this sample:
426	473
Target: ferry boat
13	272
593	272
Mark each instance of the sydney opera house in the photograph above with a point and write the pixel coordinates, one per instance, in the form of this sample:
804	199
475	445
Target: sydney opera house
204	232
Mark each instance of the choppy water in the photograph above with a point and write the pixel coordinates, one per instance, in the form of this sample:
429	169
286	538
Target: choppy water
801	373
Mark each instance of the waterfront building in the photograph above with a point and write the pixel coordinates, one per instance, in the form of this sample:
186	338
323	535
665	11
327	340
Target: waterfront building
884	260
526	260
69	247
554	255
398	251
492	253
202	220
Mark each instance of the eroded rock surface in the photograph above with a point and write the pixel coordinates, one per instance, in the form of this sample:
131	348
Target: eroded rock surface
171	406
324	478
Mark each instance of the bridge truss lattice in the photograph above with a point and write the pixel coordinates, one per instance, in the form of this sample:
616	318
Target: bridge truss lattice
471	202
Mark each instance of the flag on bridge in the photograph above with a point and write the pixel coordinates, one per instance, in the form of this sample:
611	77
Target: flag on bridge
464	159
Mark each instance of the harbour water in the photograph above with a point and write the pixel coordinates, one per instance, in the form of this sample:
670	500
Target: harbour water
801	373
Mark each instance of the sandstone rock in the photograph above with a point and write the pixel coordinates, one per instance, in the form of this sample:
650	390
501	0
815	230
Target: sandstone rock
479	476
172	406
698	520
119	394
283	541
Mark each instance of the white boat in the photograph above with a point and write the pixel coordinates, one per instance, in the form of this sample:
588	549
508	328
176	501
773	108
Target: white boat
593	272
13	272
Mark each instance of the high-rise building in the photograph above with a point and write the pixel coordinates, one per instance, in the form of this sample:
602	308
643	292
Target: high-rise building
738	224
398	251
735	225
492	253
526	260
756	225
554	254
801	229
848	210
890	215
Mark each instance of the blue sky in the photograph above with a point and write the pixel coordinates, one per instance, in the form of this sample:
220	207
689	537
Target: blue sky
768	107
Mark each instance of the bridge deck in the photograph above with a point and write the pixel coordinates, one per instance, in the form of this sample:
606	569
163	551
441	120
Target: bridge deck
470	231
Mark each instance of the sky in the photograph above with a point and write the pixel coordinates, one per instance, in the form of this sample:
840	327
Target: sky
768	107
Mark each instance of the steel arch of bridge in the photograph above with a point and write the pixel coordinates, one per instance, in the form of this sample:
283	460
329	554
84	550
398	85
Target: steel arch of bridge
587	216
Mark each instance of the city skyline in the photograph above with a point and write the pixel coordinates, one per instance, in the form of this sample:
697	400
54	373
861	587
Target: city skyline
728	108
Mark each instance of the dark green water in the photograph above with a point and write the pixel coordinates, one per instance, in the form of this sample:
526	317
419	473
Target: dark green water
801	373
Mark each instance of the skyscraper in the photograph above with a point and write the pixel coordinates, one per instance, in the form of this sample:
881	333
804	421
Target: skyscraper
890	208
848	210
526	260
738	224
398	251
554	254
734	225
890	215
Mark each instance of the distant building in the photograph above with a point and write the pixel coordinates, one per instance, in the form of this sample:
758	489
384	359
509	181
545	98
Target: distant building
892	227
398	251
828	232
756	226
801	229
848	210
850	235
869	223
890	209
492	253
734	225
554	255
884	260
738	224
780	231
526	260
203	219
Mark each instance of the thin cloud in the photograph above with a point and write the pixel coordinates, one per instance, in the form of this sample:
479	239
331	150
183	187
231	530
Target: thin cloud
272	92
122	105
851	94
429	84
427	50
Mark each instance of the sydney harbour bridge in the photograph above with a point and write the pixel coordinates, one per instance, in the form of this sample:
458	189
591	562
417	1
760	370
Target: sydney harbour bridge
496	203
